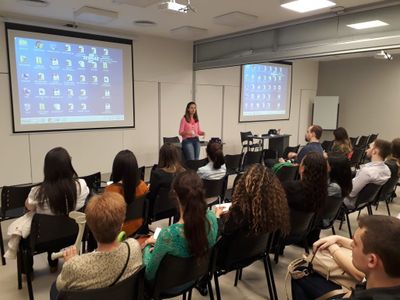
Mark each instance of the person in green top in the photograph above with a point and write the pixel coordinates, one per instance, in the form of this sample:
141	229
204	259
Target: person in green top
195	231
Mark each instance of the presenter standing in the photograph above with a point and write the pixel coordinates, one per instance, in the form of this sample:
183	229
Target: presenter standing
190	132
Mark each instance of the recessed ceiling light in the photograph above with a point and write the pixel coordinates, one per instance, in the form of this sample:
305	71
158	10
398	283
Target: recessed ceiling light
144	23
303	6
35	3
94	15
368	24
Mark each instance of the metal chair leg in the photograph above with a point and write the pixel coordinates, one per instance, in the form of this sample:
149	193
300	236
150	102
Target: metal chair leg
236	277
387	206
240	274
19	269
210	290
217	290
349	225
333	230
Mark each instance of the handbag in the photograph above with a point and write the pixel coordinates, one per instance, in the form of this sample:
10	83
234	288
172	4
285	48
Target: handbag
325	265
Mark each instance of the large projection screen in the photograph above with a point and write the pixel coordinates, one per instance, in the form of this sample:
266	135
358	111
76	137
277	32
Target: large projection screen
265	92
64	80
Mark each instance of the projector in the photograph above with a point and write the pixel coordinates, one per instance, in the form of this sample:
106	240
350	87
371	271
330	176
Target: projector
173	6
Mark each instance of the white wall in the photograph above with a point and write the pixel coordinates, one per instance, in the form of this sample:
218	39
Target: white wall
368	91
221	88
158	64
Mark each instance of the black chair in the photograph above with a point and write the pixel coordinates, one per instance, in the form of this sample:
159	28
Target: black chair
290	149
214	190
300	225
130	288
142	172
270	157
287	173
362	141
356	157
138	209
353	141
196	164
251	158
366	197
165	206
12	206
229	192
93	181
329	213
177	276
372	138
48	234
172	140
233	163
248	142
239	250
387	191
327	145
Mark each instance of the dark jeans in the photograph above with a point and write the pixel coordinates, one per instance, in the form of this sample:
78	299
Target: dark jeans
311	287
191	148
53	291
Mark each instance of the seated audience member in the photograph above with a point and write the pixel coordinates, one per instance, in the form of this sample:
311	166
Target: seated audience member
309	193
342	143
192	235
162	176
259	204
374	253
376	171
126	181
340	184
60	192
393	160
312	137
112	261
215	169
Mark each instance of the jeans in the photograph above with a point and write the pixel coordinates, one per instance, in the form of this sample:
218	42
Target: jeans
191	148
53	291
311	287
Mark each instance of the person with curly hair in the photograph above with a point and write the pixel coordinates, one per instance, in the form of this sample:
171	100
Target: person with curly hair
259	204
309	193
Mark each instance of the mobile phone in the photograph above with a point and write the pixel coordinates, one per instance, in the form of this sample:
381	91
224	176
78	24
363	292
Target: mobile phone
156	233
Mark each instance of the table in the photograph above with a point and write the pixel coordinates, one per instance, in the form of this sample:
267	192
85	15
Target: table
276	142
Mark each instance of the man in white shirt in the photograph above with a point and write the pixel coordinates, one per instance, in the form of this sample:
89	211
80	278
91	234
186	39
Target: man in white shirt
376	171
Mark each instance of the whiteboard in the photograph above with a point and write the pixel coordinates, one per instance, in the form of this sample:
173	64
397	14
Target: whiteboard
325	112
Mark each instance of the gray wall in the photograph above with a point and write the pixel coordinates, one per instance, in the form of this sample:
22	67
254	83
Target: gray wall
369	94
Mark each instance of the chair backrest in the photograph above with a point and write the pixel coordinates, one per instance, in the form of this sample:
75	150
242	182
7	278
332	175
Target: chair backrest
172	140
136	209
356	157
13	198
270	154
353	141
232	163
241	249
130	288
93	181
327	145
214	187
387	189
142	171
196	164
362	141
290	149
372	138
245	138
165	206
300	224
177	275
51	233
329	212
367	195
287	173
251	158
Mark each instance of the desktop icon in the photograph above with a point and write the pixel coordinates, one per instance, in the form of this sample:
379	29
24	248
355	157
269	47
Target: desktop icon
94	78
56	77
40	76
68	47
105	65
106	79
82	92
39	45
25	76
56	92
68	63
107	106
42	106
81	64
23	42
38	60
83	106
69	77
27	107
23	59
42	92
94	65
54	61
27	92
70	106
105	51
70	92
82	78
107	93
81	49
57	106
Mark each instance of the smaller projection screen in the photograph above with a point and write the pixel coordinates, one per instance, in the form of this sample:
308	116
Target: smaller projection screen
64	80
265	92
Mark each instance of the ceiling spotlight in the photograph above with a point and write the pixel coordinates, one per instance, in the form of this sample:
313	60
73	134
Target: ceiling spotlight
303	6
383	55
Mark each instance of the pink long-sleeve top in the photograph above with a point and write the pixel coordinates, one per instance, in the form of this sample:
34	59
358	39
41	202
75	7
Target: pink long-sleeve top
187	127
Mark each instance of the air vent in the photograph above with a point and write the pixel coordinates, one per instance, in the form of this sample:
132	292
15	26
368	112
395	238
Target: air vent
144	23
35	3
